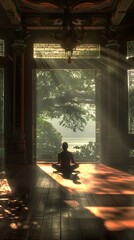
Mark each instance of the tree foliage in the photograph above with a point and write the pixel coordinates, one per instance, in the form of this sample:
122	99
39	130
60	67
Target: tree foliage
68	95
85	152
48	139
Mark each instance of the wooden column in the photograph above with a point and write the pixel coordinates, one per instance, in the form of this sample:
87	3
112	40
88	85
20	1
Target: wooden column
17	146
115	145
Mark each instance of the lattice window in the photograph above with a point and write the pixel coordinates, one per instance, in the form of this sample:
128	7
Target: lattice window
49	50
1	112
130	49
131	101
2	48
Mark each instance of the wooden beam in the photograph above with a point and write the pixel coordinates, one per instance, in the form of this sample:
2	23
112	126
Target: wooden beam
121	11
11	11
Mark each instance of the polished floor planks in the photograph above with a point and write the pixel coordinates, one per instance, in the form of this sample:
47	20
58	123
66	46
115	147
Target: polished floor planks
37	203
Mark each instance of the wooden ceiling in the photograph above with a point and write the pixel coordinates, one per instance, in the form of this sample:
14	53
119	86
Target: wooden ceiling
24	16
40	14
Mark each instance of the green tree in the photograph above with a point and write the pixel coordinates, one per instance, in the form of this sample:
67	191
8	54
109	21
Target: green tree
48	139
68	95
86	152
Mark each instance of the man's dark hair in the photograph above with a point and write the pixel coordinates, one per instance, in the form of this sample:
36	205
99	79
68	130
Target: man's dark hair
65	145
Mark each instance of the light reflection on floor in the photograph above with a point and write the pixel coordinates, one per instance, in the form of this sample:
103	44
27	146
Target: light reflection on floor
99	179
115	218
95	178
4	186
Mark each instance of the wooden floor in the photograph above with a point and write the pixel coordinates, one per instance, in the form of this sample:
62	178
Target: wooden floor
37	203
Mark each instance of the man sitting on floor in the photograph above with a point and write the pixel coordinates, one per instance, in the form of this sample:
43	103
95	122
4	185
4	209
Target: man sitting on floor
66	163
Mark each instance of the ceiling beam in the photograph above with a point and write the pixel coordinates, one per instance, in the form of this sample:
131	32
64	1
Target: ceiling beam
58	28
11	11
121	10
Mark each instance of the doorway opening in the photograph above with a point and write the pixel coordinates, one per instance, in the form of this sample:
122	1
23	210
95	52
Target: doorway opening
64	109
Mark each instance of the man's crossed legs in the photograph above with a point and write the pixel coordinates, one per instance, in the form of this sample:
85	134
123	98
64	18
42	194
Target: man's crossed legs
66	170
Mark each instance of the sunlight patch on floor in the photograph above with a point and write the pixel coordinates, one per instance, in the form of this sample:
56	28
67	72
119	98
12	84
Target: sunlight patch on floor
115	218
4	187
95	178
98	179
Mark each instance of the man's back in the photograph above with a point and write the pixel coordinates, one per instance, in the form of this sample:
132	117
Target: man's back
65	157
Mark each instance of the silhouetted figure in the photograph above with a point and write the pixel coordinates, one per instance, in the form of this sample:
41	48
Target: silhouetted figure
66	163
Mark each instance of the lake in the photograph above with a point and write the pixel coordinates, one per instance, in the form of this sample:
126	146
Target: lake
72	142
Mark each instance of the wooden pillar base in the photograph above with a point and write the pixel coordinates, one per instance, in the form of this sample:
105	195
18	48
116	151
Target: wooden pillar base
116	153
17	151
